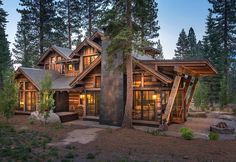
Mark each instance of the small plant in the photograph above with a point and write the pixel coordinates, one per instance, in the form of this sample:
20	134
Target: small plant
213	136
234	111
31	120
155	132
186	133
90	156
57	126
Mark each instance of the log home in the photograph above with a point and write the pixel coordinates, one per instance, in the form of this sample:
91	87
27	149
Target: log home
86	83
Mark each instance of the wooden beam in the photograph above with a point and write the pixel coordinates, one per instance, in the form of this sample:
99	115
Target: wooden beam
171	99
191	95
186	87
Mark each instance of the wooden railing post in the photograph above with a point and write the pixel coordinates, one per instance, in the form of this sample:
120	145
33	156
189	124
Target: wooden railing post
171	99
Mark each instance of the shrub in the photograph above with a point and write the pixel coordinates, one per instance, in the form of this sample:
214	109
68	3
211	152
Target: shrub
90	156
186	133
213	136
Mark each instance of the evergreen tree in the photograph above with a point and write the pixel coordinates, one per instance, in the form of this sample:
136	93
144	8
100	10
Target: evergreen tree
91	13
25	48
124	25
182	46
223	15
70	12
45	27
5	56
159	47
192	45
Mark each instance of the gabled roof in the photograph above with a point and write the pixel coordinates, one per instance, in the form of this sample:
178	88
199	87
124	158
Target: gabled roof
82	75
85	43
157	74
36	75
64	52
59	82
97	34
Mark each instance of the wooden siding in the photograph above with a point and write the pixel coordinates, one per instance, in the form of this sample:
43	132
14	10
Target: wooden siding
75	104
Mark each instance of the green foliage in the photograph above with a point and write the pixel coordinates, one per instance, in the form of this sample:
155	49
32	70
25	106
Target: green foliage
31	120
8	97
46	96
186	133
155	132
223	92
201	96
213	136
90	156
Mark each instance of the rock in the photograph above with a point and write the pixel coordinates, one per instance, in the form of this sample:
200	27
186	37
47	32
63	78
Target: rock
227	117
53	117
221	128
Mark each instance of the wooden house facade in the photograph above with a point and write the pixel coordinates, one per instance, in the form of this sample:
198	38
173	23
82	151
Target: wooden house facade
162	89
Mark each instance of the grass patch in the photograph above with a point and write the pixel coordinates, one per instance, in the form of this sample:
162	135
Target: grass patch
24	145
186	133
213	136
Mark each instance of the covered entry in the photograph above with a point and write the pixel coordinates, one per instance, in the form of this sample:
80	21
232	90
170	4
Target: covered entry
61	101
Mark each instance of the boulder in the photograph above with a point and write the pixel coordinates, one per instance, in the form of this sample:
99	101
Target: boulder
52	118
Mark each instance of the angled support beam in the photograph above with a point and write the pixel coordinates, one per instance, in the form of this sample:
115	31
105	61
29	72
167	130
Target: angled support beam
191	95
186	87
171	99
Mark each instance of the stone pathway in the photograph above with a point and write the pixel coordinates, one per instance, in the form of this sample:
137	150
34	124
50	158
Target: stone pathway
82	136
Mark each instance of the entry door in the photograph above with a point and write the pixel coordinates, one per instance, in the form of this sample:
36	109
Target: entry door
61	101
92	103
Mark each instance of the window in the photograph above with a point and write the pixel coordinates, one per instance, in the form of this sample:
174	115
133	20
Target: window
76	65
70	67
87	60
97	81
59	58
137	80
53	60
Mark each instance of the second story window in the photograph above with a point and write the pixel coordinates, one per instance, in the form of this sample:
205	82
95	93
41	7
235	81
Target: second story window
87	60
76	65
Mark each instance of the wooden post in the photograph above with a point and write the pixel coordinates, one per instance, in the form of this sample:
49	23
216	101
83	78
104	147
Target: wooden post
191	95
171	99
186	87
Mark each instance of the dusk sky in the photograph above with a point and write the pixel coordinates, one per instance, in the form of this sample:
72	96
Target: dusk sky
174	15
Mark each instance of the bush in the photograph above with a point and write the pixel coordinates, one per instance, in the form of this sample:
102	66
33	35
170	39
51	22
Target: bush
90	156
213	136
186	133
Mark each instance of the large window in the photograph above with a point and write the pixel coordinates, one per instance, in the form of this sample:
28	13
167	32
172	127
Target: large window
92	103
87	60
137	80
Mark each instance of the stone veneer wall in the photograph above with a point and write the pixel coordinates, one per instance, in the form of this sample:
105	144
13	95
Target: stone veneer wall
112	88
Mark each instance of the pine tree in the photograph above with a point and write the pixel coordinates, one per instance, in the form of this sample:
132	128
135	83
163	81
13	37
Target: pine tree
45	26
70	12
192	45
5	55
91	13
25	48
124	25
182	46
159	47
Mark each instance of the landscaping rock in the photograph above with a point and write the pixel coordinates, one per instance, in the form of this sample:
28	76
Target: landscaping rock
222	128
53	117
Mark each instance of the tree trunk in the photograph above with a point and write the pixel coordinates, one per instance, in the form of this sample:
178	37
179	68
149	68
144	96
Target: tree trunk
69	23
89	18
41	30
127	121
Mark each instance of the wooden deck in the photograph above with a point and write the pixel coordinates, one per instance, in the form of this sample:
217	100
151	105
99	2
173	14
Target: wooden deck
67	116
17	112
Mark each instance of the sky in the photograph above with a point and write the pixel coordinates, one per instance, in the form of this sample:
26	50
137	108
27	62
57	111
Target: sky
174	15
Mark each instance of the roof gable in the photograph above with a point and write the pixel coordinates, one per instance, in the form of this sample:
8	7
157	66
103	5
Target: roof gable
82	75
64	52
86	42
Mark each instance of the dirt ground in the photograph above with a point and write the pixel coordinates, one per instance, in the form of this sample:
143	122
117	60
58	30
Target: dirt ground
125	145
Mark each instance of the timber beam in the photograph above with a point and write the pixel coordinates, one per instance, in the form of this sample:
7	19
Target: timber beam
171	99
191	95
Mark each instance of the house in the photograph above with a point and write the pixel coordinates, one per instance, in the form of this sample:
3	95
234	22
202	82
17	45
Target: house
85	82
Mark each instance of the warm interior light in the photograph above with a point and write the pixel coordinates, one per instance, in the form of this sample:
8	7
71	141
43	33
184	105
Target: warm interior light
21	103
70	66
154	97
82	96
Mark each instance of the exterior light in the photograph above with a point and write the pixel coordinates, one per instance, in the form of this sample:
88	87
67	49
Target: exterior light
82	96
